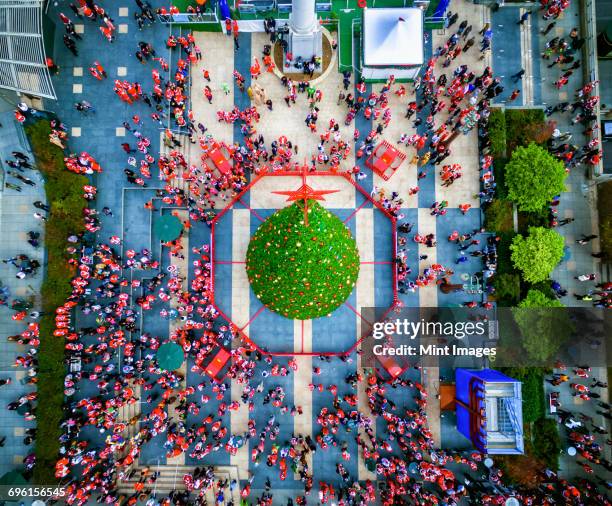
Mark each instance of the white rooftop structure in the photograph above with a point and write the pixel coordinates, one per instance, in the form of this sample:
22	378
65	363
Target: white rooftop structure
392	42
23	66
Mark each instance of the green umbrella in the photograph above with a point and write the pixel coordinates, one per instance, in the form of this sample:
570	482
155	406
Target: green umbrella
12	478
168	228
170	356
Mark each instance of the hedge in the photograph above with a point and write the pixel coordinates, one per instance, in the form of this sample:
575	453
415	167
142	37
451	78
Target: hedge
496	129
546	441
504	261
533	219
498	216
64	191
524	126
604	206
507	289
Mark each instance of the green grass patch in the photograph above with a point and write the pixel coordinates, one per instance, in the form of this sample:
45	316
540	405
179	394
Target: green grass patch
498	216
524	126
64	191
504	262
497	132
546	441
507	289
499	171
533	219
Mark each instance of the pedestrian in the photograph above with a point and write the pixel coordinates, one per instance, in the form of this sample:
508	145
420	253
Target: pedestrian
585	239
513	96
40	205
523	18
585	277
548	28
12	186
518	76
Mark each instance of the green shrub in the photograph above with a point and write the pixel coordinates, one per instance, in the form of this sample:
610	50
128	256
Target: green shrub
543	325
546	441
533	177
524	126
604	205
504	253
498	216
497	132
507	289
537	254
539	218
64	191
499	171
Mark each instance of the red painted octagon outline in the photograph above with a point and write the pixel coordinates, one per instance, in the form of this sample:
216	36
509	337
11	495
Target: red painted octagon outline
238	198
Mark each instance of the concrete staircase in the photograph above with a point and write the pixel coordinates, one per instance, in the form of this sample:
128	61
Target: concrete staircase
186	150
129	411
171	478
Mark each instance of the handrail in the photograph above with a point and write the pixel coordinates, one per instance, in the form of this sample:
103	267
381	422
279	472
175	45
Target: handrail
509	405
435	19
189	17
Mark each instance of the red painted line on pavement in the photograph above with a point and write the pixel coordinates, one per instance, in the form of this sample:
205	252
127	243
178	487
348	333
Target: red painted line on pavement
365	201
253	317
357	313
253	212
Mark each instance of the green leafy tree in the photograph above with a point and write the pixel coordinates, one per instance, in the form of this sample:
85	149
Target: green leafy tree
537	254
534	177
543	324
302	271
536	298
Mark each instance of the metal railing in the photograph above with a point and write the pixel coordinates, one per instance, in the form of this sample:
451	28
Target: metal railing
280	6
255	6
209	17
516	423
23	65
435	20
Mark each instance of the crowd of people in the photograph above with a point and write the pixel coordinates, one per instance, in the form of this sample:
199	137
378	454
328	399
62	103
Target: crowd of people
112	363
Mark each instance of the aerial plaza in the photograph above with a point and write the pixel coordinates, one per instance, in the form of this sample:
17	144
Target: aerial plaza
291	252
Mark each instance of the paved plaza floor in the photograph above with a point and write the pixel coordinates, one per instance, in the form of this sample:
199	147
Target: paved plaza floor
102	132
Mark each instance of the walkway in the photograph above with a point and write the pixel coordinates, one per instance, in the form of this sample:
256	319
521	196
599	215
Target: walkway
16	218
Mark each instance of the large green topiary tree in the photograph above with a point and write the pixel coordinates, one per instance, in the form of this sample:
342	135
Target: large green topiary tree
537	254
533	177
302	271
544	325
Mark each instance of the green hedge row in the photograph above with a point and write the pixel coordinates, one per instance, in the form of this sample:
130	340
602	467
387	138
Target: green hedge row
604	205
497	132
524	126
508	130
64	192
546	441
